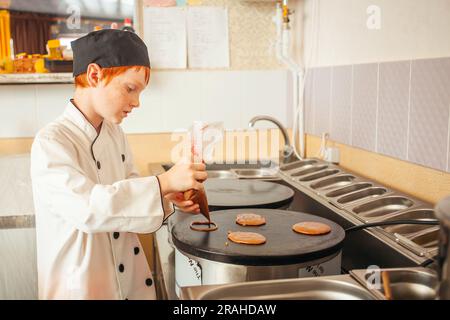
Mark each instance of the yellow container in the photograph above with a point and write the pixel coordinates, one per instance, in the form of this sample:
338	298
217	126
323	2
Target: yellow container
39	66
8	65
5	34
54	48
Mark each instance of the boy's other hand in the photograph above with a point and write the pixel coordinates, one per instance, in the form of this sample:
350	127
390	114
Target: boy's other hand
177	198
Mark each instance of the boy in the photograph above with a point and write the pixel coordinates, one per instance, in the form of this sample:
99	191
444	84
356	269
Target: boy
89	201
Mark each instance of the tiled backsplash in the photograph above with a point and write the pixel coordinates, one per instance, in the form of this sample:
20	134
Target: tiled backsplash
399	109
172	101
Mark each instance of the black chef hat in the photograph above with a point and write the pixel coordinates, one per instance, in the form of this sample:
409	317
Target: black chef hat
109	48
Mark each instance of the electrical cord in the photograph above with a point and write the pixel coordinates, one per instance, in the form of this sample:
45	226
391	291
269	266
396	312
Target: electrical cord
390	223
323	145
427	263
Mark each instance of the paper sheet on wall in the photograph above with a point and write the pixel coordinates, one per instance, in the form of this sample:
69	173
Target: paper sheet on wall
160	3
208	45
194	2
165	36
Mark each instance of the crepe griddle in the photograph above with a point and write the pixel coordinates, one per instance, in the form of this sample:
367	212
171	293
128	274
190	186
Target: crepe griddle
283	245
234	193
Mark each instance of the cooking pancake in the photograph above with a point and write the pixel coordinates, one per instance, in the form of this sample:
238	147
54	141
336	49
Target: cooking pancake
250	219
246	237
283	245
311	228
210	228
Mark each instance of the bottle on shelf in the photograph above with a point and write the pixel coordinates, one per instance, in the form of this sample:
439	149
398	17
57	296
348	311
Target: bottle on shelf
127	25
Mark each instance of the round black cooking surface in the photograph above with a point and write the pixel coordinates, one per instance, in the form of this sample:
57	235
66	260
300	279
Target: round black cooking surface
234	193
283	245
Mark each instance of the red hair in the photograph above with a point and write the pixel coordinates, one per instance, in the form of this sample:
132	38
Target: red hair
109	74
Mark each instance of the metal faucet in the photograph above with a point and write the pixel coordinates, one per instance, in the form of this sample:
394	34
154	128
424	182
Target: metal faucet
442	212
287	154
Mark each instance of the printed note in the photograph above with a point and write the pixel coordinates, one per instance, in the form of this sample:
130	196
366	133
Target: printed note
165	36
208	45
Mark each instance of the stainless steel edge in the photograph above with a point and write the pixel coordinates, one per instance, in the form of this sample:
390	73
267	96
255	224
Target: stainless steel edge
347	213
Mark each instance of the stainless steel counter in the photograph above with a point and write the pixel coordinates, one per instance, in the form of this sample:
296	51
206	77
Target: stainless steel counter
341	287
18	270
35	78
356	253
165	265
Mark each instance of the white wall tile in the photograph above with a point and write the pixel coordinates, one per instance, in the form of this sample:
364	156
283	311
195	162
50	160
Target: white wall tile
147	117
233	97
400	109
341	104
448	144
321	100
265	93
181	94
364	106
429	115
223	98
173	100
290	99
51	100
393	105
18	111
309	101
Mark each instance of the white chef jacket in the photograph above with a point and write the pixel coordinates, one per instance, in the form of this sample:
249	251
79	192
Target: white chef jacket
90	203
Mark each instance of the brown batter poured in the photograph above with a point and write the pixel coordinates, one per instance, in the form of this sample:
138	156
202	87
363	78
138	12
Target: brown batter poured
198	197
212	226
311	228
250	219
246	237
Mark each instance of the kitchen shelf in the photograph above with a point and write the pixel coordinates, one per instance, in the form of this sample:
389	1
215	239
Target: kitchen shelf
35	78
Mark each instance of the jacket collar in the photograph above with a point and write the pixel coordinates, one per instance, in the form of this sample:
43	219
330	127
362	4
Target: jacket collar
74	114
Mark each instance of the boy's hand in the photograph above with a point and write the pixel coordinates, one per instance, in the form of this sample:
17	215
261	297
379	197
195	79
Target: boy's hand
183	176
177	198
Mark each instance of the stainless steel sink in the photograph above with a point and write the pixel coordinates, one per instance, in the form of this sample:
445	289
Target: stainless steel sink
221	174
262	173
363	194
341	287
349	189
334	182
362	200
383	206
428	238
415	214
318	175
405	284
308	170
298	164
409	230
423	242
